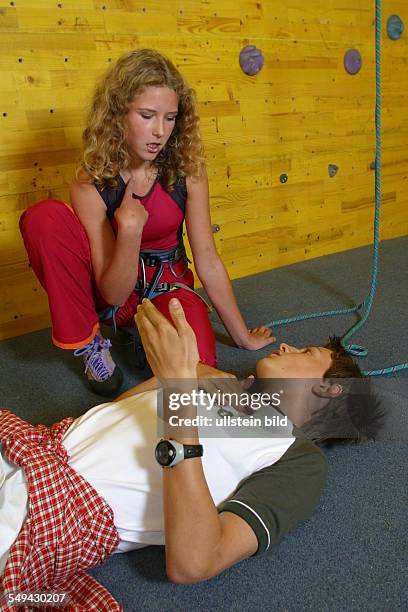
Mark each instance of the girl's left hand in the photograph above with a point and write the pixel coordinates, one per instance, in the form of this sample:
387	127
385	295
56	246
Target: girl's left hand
258	337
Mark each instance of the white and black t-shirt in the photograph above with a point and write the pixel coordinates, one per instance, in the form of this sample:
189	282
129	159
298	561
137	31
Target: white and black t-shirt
272	483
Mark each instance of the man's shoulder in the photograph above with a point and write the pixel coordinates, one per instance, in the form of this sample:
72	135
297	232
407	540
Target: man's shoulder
303	457
304	447
276	498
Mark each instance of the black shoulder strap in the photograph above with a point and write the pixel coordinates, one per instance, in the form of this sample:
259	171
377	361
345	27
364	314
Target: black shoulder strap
179	193
112	196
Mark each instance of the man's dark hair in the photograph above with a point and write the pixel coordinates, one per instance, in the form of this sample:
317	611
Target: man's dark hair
353	416
343	365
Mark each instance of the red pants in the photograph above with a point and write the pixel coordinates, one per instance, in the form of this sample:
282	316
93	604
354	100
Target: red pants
60	256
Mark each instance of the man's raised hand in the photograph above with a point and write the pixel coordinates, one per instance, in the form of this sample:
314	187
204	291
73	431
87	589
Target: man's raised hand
170	350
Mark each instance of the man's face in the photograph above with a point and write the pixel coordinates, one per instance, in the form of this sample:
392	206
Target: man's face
291	362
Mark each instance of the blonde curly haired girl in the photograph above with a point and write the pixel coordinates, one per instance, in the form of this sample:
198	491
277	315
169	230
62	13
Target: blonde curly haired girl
142	175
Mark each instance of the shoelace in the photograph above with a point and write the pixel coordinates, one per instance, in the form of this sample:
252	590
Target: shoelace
95	360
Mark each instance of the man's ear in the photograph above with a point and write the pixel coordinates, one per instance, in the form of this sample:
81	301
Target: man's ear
327	388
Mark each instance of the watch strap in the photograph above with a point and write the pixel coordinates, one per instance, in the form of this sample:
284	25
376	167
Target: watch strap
192	450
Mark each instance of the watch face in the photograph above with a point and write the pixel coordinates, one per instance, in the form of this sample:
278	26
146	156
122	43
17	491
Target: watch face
165	453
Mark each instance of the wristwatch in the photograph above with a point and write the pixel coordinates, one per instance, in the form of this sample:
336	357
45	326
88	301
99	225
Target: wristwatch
169	452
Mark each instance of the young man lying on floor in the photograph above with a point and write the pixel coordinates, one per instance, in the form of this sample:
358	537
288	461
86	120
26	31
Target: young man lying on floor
74	493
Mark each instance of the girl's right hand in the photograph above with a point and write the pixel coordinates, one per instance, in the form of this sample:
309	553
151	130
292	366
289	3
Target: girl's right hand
131	214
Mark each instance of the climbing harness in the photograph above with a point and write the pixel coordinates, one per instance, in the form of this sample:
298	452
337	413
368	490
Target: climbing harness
159	259
150	290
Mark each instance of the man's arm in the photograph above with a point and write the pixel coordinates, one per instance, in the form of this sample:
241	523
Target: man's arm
200	542
147	385
204	371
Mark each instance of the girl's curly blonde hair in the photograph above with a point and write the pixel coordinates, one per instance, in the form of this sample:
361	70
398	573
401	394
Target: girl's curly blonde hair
105	148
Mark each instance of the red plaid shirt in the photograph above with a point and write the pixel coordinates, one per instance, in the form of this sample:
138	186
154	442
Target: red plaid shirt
69	527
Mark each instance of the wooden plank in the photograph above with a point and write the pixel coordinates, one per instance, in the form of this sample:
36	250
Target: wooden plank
301	113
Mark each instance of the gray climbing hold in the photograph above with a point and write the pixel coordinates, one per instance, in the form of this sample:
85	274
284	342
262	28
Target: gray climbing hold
251	60
352	61
215	228
333	170
372	165
283	178
395	27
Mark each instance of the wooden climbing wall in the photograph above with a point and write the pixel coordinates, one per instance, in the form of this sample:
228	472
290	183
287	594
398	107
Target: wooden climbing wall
301	113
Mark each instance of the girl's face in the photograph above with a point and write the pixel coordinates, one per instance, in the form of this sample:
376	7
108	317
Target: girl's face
150	121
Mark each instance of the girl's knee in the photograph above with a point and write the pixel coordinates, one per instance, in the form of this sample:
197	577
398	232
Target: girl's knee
46	218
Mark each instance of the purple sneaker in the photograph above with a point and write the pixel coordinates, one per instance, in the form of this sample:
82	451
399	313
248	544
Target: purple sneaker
104	376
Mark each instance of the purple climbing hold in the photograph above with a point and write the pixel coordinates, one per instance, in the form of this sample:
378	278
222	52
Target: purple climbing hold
352	61
395	27
251	60
333	170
